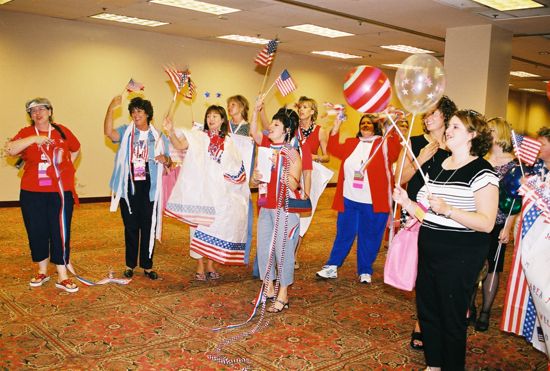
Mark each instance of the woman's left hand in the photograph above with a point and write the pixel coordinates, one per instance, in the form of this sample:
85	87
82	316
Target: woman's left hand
163	159
438	205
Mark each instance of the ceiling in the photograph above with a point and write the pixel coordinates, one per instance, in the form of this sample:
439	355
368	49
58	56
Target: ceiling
420	23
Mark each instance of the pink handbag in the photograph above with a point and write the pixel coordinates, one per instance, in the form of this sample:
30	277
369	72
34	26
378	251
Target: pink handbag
402	259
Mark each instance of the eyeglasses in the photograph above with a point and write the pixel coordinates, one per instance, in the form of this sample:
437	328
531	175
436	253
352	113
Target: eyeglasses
37	109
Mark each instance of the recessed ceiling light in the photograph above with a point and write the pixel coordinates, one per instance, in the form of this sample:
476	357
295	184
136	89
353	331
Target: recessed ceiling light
125	19
504	5
406	49
336	54
245	39
319	31
199	6
532	90
523	74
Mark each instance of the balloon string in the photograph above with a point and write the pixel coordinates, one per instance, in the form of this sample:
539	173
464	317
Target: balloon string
403	162
406	143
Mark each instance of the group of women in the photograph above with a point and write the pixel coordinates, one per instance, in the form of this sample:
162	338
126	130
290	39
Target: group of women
455	184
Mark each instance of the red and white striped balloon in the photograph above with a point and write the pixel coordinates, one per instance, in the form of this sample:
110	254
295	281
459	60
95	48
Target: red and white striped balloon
367	89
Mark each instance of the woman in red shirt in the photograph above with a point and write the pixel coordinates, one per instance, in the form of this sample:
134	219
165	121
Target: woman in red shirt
48	150
363	194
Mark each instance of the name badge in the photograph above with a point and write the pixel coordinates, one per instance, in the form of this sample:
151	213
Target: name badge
262	194
139	169
358	179
43	179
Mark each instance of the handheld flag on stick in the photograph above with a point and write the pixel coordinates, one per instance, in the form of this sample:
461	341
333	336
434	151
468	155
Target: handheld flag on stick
133	85
266	55
180	79
525	148
285	84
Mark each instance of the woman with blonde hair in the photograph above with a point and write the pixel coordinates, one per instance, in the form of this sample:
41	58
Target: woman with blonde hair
501	157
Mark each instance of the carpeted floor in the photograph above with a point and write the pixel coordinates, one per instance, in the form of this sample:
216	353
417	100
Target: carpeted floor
166	324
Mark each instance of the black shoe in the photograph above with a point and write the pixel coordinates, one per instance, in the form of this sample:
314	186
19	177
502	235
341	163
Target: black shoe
472	316
416	337
151	274
482	323
128	273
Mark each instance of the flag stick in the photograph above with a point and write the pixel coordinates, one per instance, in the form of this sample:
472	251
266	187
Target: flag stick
406	144
265	78
403	161
268	90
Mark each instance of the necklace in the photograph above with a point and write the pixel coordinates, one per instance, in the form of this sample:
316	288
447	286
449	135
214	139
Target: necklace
307	132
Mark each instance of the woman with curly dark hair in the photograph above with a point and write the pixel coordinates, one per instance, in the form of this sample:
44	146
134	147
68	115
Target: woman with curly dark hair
453	242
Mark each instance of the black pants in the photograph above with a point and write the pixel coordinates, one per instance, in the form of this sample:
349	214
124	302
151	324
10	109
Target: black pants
41	217
137	225
447	273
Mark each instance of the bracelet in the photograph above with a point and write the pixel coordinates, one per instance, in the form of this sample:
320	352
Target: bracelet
449	212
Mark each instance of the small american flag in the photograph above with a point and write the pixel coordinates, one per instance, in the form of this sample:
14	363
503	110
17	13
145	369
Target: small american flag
266	55
285	84
526	148
191	89
179	78
133	85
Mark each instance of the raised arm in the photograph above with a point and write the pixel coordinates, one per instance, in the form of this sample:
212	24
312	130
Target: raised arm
254	121
108	121
409	168
323	141
178	143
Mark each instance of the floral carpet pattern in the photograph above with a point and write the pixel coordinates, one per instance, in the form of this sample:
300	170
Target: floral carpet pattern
167	324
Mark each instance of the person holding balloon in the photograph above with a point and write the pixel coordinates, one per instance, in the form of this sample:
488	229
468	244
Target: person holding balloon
502	159
362	196
430	150
453	241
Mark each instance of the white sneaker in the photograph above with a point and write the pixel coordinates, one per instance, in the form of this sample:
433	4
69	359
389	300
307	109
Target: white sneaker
328	271
365	278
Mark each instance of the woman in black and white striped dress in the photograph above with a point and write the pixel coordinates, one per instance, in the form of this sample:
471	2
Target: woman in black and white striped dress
462	197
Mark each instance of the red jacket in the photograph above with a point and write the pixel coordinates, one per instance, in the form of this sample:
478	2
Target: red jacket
376	171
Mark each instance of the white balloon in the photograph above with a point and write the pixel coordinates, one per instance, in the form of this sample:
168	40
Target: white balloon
420	82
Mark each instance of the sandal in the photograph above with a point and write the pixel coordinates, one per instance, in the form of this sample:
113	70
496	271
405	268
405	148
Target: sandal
151	274
213	275
417	340
67	285
482	323
39	280
274	309
200	277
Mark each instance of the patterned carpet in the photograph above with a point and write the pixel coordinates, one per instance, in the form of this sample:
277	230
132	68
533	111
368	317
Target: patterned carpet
166	324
